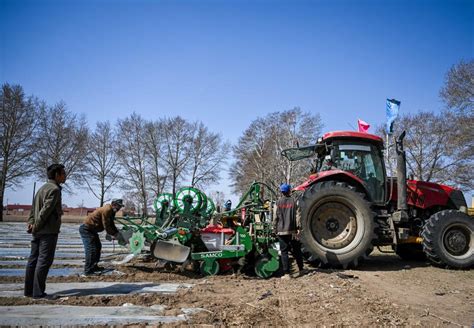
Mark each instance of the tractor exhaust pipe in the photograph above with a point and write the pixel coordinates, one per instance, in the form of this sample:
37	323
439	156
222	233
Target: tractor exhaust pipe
401	174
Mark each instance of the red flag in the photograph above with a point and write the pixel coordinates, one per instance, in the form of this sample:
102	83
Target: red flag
363	126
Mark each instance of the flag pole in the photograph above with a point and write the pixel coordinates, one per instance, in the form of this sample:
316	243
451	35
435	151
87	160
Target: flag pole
386	153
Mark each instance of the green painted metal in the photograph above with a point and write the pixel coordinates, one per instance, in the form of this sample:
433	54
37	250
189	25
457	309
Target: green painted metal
252	235
211	207
203	206
179	220
267	264
209	267
240	245
137	242
163	200
188	199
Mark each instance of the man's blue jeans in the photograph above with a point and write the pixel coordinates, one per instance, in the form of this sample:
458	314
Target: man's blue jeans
92	248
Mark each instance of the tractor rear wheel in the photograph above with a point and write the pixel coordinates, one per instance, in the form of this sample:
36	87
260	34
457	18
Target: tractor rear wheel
337	224
448	239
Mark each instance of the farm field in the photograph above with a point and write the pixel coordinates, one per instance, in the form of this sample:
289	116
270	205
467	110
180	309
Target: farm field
382	291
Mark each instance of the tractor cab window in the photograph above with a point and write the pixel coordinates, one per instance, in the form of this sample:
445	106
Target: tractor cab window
365	162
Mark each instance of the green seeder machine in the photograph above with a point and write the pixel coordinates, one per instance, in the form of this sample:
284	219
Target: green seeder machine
182	232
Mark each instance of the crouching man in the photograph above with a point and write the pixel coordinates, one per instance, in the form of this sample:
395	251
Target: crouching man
102	218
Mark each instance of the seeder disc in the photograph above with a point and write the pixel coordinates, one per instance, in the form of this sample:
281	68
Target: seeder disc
136	242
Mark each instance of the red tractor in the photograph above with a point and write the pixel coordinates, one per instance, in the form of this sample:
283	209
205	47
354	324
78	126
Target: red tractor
349	205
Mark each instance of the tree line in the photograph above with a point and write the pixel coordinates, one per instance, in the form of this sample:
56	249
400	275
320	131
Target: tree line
143	157
440	145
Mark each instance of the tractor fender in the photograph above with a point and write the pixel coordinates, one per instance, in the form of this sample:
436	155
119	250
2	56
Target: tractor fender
334	175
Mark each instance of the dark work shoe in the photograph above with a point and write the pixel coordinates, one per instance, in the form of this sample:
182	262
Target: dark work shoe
301	273
98	268
46	297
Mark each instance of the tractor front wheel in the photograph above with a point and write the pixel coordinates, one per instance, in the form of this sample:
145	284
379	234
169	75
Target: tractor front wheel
337	224
448	239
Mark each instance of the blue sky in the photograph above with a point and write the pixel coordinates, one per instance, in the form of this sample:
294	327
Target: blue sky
228	62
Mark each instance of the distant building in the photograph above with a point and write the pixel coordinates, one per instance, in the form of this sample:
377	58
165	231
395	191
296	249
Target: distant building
24	210
17	209
78	211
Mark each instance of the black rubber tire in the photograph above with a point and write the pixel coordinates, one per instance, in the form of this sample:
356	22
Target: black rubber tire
448	239
410	252
312	260
333	196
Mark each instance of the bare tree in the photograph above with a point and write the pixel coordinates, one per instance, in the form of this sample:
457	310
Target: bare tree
218	197
102	171
436	148
62	138
292	128
17	131
178	134
458	95
458	90
131	152
252	154
461	150
208	153
155	151
258	152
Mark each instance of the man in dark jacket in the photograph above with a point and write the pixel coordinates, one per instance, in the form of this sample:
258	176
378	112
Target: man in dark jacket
44	223
286	226
102	218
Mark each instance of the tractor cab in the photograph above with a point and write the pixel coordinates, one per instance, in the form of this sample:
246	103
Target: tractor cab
352	155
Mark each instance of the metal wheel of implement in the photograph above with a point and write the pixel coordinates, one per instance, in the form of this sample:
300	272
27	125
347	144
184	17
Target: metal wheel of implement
209	268
137	242
266	266
203	202
162	200
188	197
211	207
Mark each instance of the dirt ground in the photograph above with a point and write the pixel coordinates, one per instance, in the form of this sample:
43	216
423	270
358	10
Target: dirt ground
384	291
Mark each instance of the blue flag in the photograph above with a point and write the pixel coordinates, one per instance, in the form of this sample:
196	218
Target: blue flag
392	112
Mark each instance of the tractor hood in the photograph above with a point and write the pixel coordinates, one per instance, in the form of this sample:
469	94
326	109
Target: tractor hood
422	194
